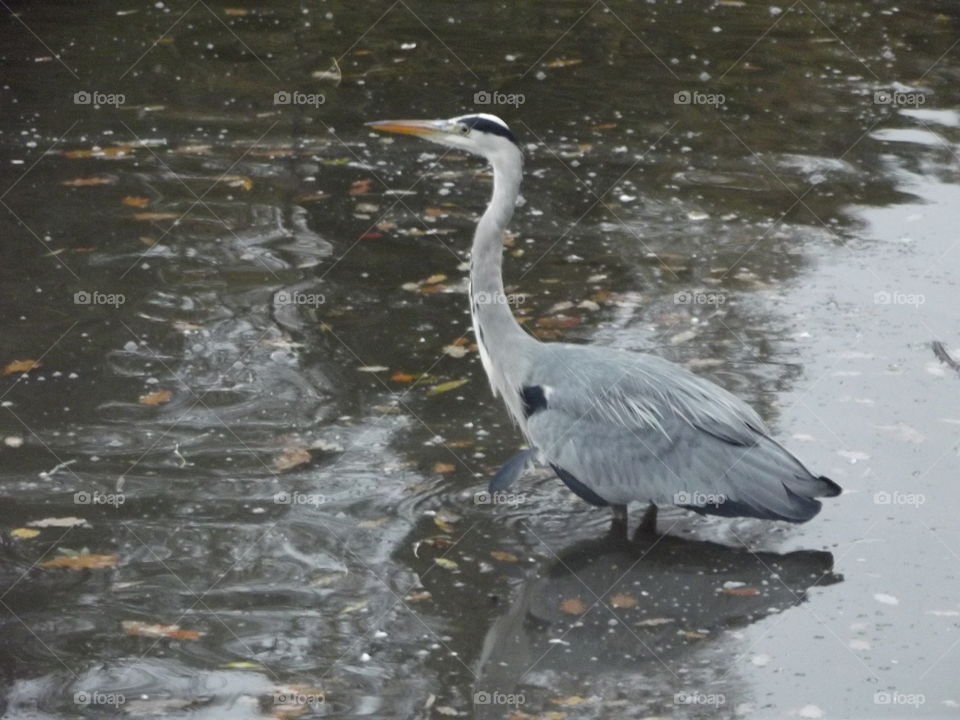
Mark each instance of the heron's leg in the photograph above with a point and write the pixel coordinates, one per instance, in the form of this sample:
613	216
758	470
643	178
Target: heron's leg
618	524
648	523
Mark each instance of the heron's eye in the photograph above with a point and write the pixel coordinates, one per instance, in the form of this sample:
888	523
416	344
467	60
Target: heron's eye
463	129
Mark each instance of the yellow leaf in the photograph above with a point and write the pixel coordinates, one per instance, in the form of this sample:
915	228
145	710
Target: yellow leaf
158	397
569	701
155	216
174	632
291	458
447	386
24	533
20	366
446	564
503	556
241	665
240	181
418	596
81	562
88	181
137	201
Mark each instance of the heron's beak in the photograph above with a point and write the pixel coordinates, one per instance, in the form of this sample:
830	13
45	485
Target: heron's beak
422	128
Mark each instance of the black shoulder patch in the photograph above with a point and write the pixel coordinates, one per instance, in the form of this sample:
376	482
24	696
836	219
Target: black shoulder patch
578	488
488	126
534	399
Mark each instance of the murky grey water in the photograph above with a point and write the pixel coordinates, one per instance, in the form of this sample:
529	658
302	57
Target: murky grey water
246	439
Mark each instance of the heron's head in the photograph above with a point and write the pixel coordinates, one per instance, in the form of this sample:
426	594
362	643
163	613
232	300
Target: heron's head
480	134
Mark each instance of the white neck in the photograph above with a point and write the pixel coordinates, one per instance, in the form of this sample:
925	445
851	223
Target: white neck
501	340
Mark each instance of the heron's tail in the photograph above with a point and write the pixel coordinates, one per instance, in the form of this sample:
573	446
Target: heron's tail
768	482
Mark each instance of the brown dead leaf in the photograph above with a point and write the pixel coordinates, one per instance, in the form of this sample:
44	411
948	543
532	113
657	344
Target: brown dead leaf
569	701
573	606
82	562
235	12
442	467
291	458
622	600
403	377
741	591
238	181
20	366
418	596
173	632
361	187
157	397
137	201
504	556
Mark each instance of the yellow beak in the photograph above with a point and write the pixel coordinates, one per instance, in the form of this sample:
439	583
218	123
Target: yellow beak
408	127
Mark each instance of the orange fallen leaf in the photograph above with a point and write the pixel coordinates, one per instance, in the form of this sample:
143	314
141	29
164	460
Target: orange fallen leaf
82	562
291	458
20	366
402	377
240	181
573	606
361	186
137	201
503	556
174	632
89	181
442	467
236	12
158	397
622	600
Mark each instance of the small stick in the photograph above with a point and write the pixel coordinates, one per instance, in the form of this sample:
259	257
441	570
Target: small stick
943	356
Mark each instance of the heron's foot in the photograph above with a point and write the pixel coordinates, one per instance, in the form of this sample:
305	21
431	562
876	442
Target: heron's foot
648	523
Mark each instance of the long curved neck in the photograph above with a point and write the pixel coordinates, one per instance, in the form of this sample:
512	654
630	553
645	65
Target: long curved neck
500	338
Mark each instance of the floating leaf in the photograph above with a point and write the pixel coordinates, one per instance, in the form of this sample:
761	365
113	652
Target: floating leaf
740	591
402	377
58	522
455	351
447	386
622	600
20	366
570	701
573	606
445	520
155	216
504	556
89	181
442	467
238	181
361	187
81	562
173	632
24	533
157	397
290	458
418	596
241	665
137	201
653	622
446	564
562	62
691	635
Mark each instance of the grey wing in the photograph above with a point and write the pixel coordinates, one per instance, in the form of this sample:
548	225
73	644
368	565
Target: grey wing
636	427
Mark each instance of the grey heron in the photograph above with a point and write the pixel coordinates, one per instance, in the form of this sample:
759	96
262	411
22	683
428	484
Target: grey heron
616	426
